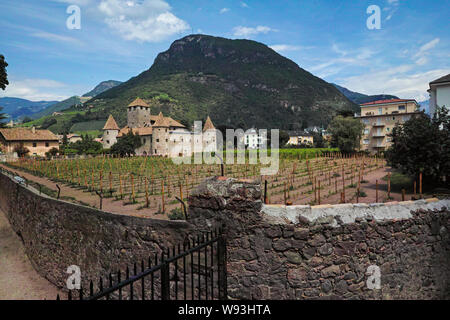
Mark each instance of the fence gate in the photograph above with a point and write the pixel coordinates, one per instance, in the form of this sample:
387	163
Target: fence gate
195	270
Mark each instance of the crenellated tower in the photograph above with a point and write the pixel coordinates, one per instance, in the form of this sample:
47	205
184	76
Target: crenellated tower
138	114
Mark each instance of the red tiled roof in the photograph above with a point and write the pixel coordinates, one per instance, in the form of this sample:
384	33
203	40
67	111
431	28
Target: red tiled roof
111	124
386	101
25	134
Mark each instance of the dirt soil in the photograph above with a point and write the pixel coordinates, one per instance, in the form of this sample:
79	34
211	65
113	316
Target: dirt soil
18	279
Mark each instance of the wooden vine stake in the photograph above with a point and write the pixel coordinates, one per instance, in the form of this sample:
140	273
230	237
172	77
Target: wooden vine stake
181	195
376	191
120	186
147	202
162	196
133	196
389	185
110	183
318	193
420	185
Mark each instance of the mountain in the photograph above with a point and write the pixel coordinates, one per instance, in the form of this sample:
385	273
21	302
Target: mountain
360	98
102	87
19	108
239	83
57	107
76	100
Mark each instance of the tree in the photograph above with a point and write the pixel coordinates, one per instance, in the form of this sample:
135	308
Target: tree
86	145
422	144
284	138
21	150
52	152
26	119
2	117
3	83
318	140
3	75
346	133
126	145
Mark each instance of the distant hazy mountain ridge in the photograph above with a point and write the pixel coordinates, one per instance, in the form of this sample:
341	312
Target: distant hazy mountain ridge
102	87
360	98
17	107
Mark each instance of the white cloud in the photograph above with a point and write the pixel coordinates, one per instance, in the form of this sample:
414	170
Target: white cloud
224	10
241	31
76	2
287	47
399	81
144	21
37	89
244	5
420	57
55	37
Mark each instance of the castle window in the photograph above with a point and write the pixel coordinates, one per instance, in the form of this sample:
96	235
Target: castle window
107	132
157	140
34	144
107	141
46	144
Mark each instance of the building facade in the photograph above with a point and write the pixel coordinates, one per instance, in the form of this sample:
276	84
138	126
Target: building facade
380	117
298	137
160	135
439	93
38	142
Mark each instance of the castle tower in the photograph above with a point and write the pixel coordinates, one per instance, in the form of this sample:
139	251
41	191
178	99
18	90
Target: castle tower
110	132
138	114
209	136
160	136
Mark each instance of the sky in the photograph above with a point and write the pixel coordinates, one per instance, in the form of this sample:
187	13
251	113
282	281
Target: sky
49	59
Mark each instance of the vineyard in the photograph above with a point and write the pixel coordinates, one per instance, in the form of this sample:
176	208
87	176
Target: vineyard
153	184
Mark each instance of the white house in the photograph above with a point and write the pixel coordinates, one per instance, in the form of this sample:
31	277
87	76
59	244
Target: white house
439	93
253	139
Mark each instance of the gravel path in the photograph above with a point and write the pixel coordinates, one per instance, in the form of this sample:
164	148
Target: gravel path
18	279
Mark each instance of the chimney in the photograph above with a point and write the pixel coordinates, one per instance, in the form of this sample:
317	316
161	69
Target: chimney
33	129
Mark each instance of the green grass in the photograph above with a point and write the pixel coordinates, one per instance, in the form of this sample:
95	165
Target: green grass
88	126
401	181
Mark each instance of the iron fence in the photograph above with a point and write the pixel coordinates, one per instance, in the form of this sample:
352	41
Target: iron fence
195	270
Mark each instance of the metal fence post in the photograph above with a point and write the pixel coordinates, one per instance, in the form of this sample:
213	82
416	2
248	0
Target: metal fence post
165	281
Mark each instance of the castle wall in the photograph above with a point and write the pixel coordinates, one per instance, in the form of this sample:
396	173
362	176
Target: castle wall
138	117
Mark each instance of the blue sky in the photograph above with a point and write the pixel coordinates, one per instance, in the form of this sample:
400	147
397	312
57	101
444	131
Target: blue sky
119	39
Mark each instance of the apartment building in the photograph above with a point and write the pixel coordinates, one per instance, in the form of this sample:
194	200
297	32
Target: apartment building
380	117
439	93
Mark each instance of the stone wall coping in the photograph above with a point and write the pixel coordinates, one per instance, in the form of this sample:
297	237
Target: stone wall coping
348	212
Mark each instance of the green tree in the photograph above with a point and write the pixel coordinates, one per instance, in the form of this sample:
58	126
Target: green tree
2	117
126	145
26	119
3	75
3	83
284	138
86	145
346	133
318	140
52	152
21	150
422	144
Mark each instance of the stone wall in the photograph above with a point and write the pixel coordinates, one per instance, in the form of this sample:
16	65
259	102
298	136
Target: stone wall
273	252
57	234
302	252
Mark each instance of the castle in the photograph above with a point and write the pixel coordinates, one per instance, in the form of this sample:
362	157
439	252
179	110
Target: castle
160	136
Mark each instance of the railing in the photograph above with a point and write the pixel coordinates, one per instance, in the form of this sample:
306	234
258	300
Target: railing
192	271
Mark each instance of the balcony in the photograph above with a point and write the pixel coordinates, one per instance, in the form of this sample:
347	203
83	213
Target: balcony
378	124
